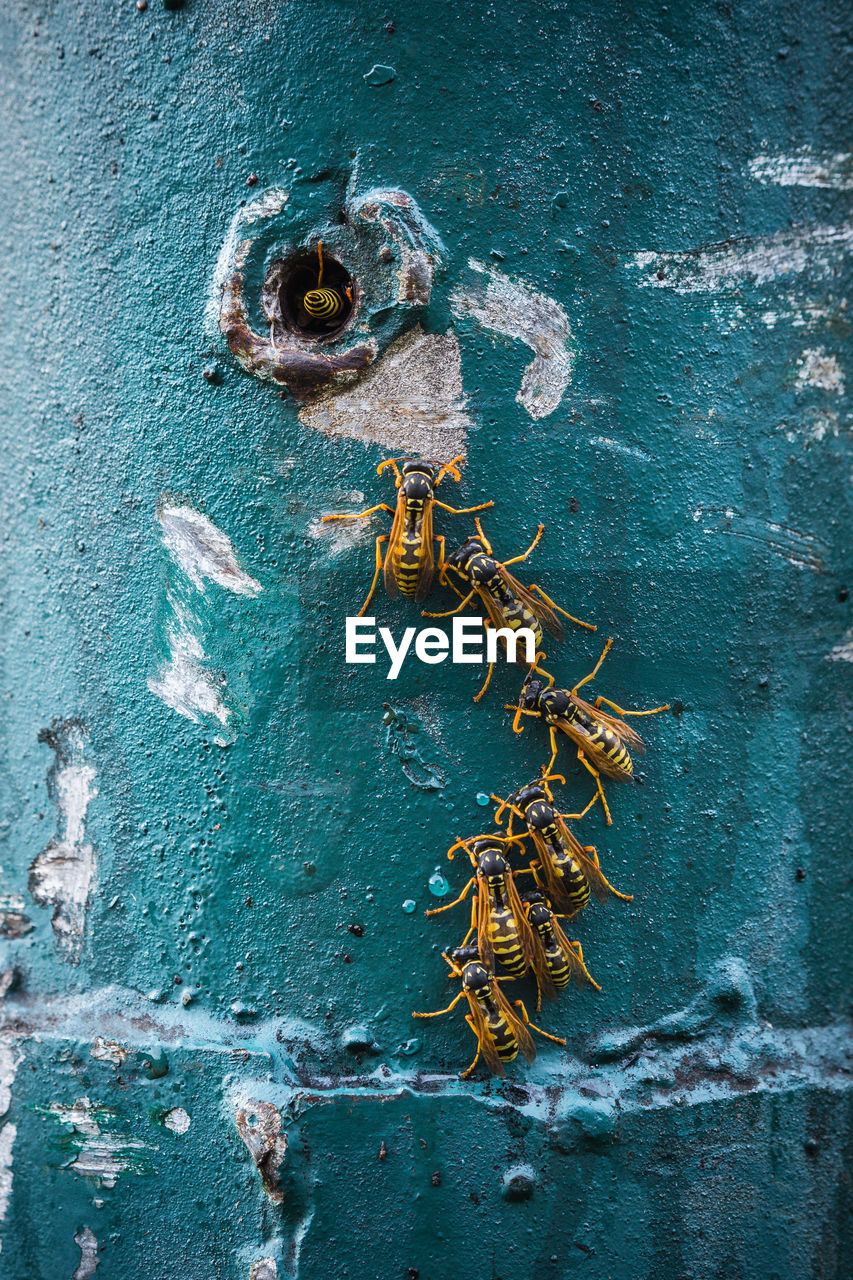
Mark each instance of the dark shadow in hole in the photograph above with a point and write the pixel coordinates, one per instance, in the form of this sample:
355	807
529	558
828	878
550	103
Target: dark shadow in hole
300	276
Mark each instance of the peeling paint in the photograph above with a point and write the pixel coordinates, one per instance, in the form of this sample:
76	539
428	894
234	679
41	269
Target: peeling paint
236	246
108	1051
203	551
401	730
410	400
805	168
818	368
185	682
14	922
820	250
513	308
259	1125
11	1058
263	1269
62	875
87	1242
177	1120
7	1140
101	1152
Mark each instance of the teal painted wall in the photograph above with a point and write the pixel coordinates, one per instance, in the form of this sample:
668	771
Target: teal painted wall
695	484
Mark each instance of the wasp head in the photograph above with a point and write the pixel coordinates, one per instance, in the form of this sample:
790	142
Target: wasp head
531	692
418	479
530	794
491	862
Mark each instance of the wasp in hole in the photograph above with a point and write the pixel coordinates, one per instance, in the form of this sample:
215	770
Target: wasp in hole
497	915
410	557
500	1031
324	304
568	870
509	604
602	740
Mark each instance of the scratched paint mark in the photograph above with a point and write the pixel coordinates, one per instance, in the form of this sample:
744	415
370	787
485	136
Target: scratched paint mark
99	1151
799	549
343	535
401	729
87	1242
201	554
756	259
818	368
842	652
516	310
832	170
236	247
803	312
61	876
617	446
411	400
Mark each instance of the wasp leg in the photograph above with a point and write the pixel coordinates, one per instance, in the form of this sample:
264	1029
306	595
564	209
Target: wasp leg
518	559
599	787
541	670
441	562
505	804
622	712
383	537
483	538
590	626
595	669
449	612
450	468
380	506
519	1004
462	511
438	1012
578	950
576	817
478	696
434	911
519	712
466	1073
392	463
553	734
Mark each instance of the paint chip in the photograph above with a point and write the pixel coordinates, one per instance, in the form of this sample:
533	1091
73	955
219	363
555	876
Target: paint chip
87	1242
177	1120
818	368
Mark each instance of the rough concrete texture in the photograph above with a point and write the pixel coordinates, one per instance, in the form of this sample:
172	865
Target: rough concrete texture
208	1065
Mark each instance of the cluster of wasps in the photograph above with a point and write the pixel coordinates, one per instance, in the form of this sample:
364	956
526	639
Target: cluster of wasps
512	934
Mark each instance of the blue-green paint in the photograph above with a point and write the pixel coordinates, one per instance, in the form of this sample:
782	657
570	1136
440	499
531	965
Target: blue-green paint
695	483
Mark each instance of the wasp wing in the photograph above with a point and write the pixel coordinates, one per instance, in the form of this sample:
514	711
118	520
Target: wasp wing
478	1025
522	1035
427	565
572	950
526	936
540	968
622	730
553	884
538	607
392	555
601	887
591	749
484	941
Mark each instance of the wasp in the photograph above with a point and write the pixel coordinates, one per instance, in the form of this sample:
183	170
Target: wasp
497	915
570	870
556	960
500	1031
602	740
320	303
410	558
509	604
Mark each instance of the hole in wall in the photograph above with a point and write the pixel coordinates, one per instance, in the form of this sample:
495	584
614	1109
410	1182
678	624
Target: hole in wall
311	306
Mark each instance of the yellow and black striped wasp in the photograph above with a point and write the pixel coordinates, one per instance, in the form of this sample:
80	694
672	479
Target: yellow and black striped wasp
500	1031
497	915
323	303
568	869
410	558
509	604
556	960
602	740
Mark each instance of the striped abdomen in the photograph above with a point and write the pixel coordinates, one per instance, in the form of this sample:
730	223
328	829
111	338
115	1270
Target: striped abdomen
503	1036
322	304
411	549
555	957
514	614
506	944
566	871
611	745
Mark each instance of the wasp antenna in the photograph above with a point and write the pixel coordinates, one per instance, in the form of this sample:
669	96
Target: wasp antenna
320	260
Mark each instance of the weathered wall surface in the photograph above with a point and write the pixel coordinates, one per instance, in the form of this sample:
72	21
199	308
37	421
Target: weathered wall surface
641	336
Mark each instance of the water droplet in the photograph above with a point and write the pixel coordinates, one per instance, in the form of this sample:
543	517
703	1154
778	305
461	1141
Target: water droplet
409	906
438	886
482	799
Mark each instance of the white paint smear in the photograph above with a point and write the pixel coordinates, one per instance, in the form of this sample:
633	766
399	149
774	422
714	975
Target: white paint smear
343	535
108	1051
805	168
412	400
103	1154
757	259
514	309
7	1139
842	652
818	368
87	1242
10	1059
815	426
177	1120
62	875
184	682
203	551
